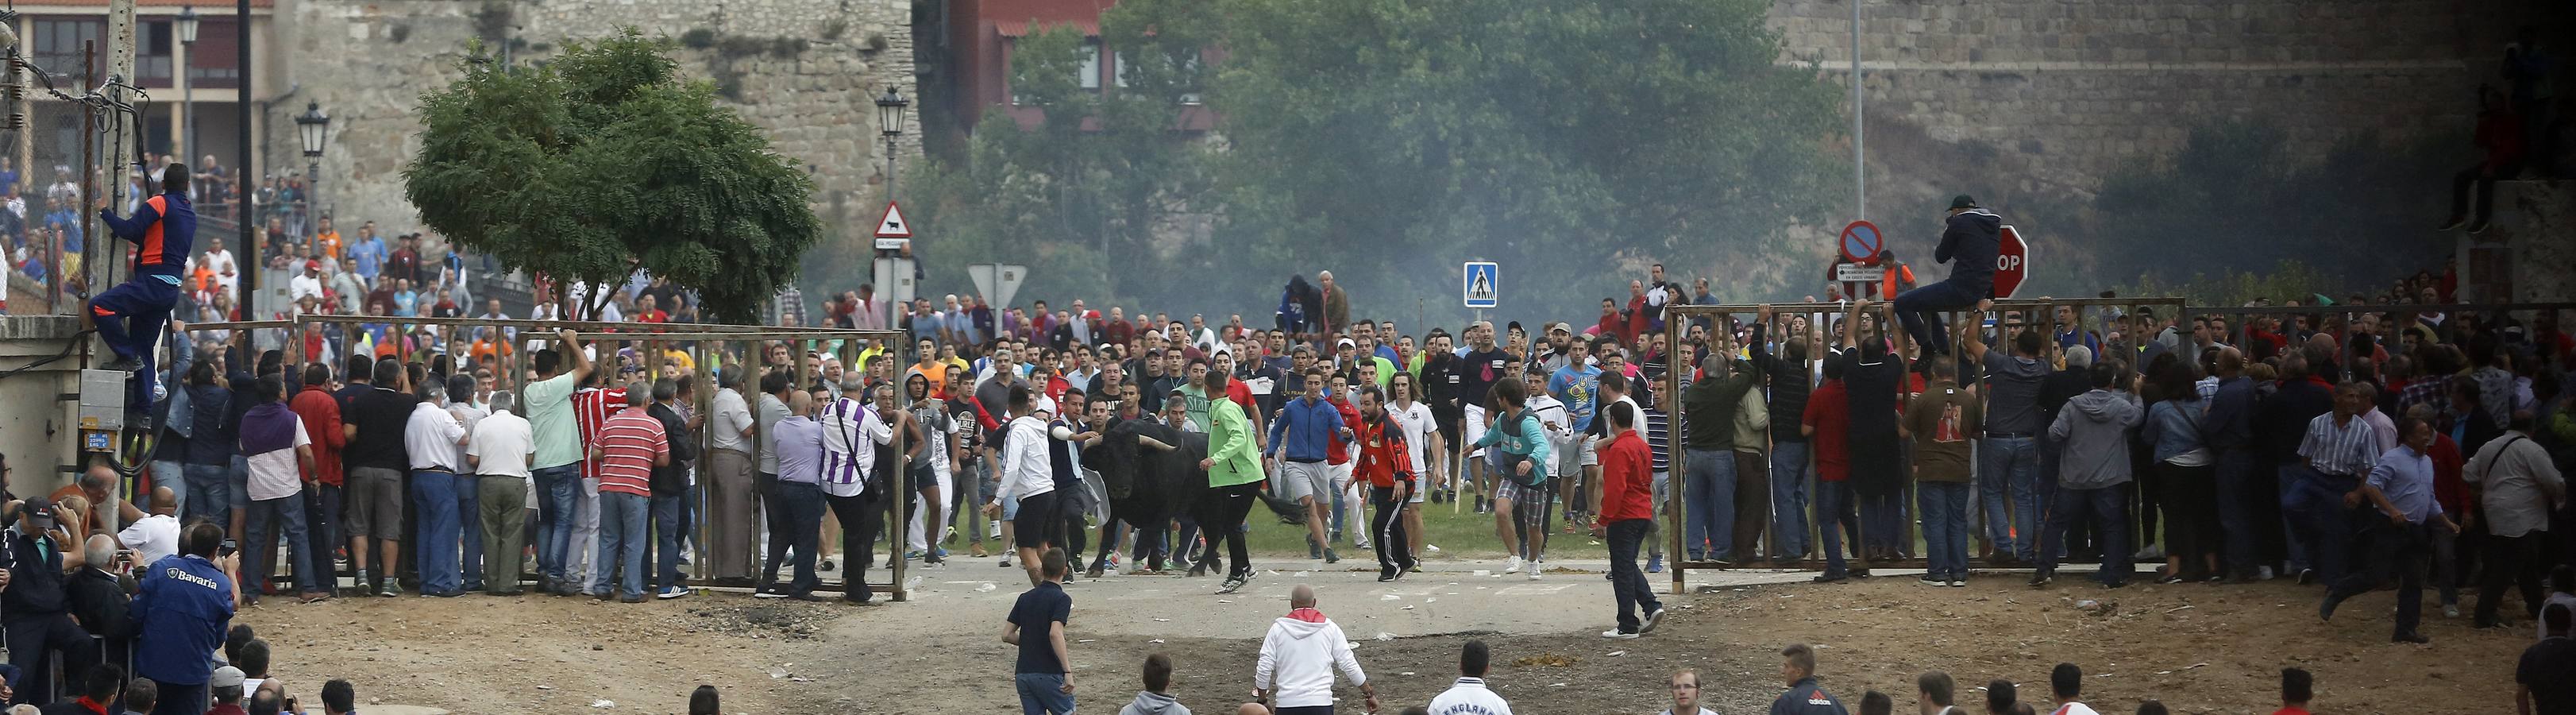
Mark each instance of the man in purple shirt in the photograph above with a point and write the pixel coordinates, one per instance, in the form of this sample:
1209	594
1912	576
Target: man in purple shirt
799	495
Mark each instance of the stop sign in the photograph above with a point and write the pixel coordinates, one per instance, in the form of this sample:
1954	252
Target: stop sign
2012	263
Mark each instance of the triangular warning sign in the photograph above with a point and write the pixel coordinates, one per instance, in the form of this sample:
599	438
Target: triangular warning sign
893	225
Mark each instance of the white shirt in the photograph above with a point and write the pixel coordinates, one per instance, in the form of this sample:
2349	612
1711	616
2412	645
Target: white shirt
152	538
846	461
1025	472
729	418
430	436
1418	428
2073	708
467	415
1469	697
303	286
502	445
274	474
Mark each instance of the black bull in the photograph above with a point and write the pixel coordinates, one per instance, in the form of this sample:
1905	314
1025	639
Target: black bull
1152	475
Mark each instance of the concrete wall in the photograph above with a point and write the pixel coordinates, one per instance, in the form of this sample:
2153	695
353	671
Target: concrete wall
2523	257
367	63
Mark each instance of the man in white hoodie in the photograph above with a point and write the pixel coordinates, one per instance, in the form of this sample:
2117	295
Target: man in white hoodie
1298	658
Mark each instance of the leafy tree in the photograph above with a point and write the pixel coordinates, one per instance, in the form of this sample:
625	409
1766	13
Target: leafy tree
2235	200
1389	139
602	160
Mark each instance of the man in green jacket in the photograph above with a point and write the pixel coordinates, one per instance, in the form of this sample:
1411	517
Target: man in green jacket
1233	465
1708	442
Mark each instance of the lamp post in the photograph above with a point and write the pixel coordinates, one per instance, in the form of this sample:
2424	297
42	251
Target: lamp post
186	25
890	108
312	127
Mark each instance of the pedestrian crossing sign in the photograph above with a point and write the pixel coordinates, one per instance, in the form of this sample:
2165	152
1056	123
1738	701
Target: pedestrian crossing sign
1482	285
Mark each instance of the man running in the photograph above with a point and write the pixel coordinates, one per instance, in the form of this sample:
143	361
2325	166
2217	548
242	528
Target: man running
130	317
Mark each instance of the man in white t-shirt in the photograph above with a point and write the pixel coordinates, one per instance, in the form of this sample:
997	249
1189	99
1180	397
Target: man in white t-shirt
280	455
155	536
1422	440
1469	696
2066	682
499	451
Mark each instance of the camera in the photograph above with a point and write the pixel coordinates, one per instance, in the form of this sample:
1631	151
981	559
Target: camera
227	549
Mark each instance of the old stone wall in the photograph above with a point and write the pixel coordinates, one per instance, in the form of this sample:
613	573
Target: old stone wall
806	70
2058	92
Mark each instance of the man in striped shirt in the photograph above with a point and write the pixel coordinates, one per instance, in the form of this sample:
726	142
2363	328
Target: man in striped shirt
2339	447
851	431
630	444
591	408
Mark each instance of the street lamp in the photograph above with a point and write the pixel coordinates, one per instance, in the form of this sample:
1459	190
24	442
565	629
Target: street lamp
311	127
186	25
890	108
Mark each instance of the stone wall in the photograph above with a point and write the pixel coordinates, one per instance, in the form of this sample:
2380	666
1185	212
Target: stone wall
807	71
2057	92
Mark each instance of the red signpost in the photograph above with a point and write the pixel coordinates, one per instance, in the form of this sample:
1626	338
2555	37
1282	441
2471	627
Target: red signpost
2012	264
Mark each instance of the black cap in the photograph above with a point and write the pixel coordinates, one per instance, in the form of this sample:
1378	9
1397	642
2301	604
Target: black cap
1962	201
40	508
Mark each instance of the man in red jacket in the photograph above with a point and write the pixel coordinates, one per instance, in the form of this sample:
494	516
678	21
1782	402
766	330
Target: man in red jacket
320	411
1388	467
2499	141
1627	511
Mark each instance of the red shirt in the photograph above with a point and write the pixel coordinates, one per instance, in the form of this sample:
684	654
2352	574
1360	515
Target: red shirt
628	444
1337	450
591	407
2448	488
1382	453
1627	479
1829	412
321	414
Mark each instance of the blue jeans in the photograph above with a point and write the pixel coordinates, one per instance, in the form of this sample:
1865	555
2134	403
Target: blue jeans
2294	544
667	511
2321	521
1945	527
434	494
322	514
210	492
1833	512
469	525
2106	511
1043	693
796	520
1627	583
1708	501
166	474
1789	499
621	543
2010	465
2236	508
288	513
237	490
555	489
1915	308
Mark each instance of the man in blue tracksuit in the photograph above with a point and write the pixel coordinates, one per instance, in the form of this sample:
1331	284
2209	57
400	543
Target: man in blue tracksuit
1305	429
182	608
1969	245
130	316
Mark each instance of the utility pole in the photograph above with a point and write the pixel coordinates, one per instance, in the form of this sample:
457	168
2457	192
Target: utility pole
102	254
1860	161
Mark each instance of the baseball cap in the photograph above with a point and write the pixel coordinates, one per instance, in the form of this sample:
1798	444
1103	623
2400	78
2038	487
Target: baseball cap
40	508
1345	343
312	265
1962	201
225	677
1561	327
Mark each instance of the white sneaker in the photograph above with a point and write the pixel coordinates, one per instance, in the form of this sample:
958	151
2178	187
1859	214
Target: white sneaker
1512	567
1616	634
1430	548
2263	572
1533	572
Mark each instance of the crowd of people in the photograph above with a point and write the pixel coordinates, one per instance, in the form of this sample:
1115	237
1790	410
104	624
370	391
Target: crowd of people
2338	447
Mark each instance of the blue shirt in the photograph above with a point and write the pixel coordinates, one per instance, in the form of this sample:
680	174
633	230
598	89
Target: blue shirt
1308	427
182	608
370	254
1033	613
1576	387
2405	476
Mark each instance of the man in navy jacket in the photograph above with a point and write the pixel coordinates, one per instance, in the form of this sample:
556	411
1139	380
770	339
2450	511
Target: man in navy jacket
181	609
1969	245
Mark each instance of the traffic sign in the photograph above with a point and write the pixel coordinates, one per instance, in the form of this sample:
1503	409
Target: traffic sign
1482	285
893	225
1857	273
1861	242
997	282
2012	263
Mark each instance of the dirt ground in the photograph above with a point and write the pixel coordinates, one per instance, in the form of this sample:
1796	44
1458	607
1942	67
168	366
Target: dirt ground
2199	648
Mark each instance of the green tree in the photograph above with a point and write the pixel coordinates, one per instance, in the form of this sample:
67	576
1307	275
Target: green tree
602	160
1388	140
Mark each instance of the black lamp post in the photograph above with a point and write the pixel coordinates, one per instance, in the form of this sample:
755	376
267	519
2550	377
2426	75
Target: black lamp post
186	25
890	108
312	127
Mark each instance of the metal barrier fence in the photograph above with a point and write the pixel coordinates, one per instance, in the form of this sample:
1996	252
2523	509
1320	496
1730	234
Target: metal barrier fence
708	346
2036	313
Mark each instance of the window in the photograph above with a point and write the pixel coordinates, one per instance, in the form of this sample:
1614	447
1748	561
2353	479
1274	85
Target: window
155	61
1118	68
1091	65
58	46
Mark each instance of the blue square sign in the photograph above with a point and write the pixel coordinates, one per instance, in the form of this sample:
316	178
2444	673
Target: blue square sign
1482	285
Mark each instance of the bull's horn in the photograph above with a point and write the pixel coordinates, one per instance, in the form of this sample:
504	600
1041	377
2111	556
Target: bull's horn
1154	443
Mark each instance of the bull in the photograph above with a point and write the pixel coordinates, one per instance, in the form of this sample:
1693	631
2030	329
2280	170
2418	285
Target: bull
1151	474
